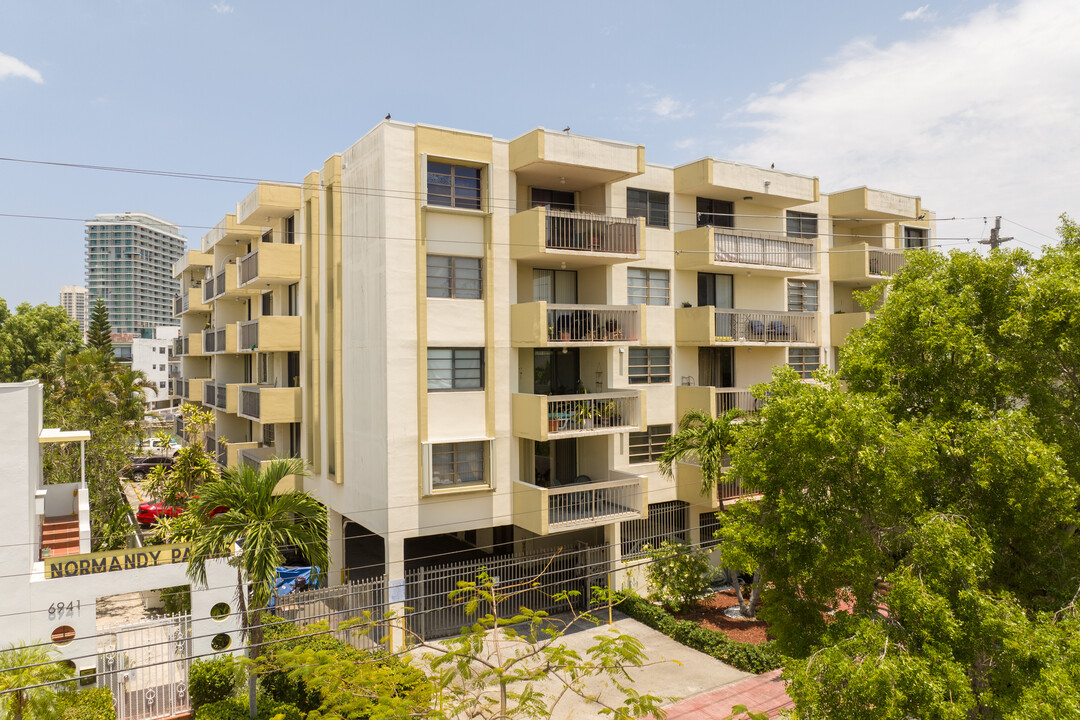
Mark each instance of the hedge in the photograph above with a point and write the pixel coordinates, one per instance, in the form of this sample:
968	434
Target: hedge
211	681
237	709
744	656
92	704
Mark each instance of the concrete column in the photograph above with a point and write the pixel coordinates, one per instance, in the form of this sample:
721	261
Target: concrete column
335	538
613	539
695	526
395	585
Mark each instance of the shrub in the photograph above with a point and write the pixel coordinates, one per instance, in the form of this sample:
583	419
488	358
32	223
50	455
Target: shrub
237	709
744	656
214	680
678	574
92	704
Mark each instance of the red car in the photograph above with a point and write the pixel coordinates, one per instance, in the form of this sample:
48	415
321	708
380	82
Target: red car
149	512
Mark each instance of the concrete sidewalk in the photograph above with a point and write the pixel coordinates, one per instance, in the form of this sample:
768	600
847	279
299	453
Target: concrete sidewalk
678	671
760	693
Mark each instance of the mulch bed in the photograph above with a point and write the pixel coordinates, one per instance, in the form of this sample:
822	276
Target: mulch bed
709	613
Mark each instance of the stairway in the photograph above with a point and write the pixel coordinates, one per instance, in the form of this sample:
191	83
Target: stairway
60	535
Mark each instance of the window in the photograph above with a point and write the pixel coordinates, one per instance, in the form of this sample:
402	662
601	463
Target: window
456	465
650	365
647	446
802	296
267	308
161	384
453	185
649	204
648	287
914	237
552	199
801	224
450	276
717	213
804	360
455	369
290	231
268	434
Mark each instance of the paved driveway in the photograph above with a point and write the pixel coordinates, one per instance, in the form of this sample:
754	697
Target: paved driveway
678	671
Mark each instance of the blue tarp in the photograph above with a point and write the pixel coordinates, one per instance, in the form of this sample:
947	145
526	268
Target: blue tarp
287	577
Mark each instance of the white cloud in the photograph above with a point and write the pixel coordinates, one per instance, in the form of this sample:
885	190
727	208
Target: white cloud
920	13
671	109
13	67
978	118
223	8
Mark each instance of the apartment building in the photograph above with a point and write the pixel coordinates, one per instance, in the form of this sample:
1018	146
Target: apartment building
481	345
151	354
76	303
129	259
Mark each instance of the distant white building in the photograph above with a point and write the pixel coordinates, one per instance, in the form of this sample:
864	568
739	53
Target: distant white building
150	353
76	303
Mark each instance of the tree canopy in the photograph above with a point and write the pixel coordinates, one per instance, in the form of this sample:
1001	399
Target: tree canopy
33	335
99	331
919	511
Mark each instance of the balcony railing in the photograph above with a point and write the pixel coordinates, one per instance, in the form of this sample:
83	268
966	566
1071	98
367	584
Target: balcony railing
209	395
249	267
249	401
593	323
885	262
209	338
211	443
178	304
733	399
208	289
248	333
178	347
219	284
593	503
568	230
592	412
729	488
752	326
746	247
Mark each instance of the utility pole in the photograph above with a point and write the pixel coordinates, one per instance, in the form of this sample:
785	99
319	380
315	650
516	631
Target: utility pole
995	235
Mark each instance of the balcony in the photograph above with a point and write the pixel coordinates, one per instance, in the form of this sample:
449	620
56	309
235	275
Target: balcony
542	510
715	401
706	325
189	300
195	389
225	284
843	324
543	158
583	239
270	333
762	253
271	264
688	487
268	200
191	346
734	182
215	395
861	264
866	204
191	259
544	417
230	231
209	289
539	324
259	459
220	340
270	404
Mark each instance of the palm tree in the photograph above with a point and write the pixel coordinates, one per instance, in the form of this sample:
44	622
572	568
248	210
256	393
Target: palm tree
127	387
21	668
707	440
260	523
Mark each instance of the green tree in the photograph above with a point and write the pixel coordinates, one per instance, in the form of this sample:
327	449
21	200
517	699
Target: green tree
707	441
262	522
34	335
20	669
99	331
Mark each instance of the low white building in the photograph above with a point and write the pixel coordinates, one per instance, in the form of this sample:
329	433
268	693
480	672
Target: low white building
151	355
53	581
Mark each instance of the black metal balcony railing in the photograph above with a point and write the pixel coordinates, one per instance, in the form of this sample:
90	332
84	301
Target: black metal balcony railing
765	326
178	305
248	335
759	248
219	284
568	230
221	397
249	401
208	338
208	289
249	267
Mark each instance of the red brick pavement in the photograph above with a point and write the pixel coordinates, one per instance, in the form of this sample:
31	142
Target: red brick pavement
761	693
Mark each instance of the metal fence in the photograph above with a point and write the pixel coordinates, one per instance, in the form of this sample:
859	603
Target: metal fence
568	230
666	521
146	665
591	411
886	262
338	604
535	579
247	335
249	267
736	399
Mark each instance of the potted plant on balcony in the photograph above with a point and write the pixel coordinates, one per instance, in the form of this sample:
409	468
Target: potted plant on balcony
608	415
583	415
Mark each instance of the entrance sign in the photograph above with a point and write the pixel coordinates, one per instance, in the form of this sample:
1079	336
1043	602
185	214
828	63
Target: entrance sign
116	560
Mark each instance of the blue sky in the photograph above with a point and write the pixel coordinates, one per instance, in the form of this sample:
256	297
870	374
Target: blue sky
970	105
